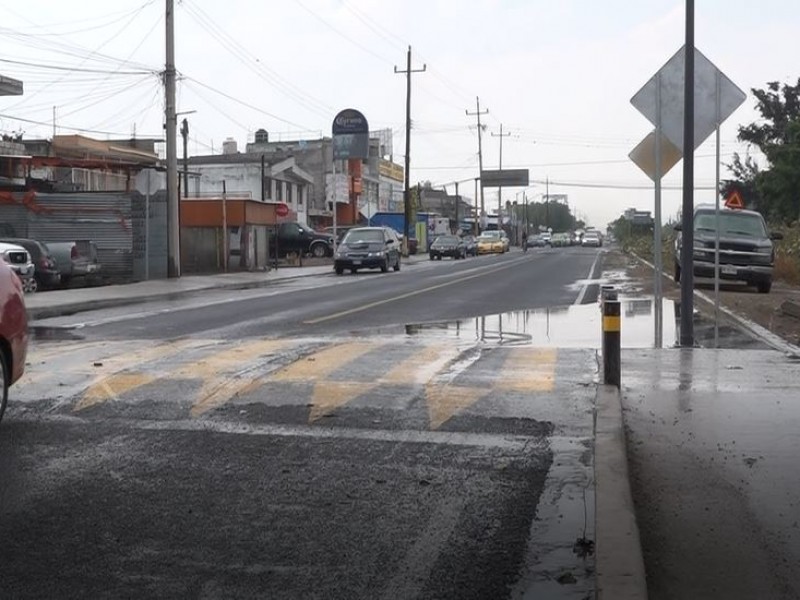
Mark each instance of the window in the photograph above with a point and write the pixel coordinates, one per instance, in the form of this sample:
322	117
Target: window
267	188
289	187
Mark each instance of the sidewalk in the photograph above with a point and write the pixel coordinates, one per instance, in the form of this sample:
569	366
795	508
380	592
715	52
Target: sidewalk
55	303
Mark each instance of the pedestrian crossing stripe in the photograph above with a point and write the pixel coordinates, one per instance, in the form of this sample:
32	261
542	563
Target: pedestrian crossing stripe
227	371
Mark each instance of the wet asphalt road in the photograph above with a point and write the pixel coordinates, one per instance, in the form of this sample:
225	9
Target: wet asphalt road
304	442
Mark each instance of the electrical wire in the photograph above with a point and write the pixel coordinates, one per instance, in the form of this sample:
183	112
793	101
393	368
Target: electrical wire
254	64
61	126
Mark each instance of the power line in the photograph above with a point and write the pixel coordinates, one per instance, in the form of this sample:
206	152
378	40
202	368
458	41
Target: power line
53	67
70	128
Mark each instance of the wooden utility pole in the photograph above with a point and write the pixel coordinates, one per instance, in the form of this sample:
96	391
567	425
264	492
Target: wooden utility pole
501	135
478	114
407	191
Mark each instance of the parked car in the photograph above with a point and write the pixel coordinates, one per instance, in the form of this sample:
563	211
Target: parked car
746	251
76	260
13	332
505	240
470	245
447	245
490	242
368	248
298	238
16	257
46	274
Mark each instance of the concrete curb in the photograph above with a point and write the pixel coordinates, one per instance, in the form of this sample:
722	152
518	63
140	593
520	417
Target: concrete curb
756	330
70	308
619	562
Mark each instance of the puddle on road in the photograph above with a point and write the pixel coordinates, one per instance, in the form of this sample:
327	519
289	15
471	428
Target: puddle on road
577	326
53	334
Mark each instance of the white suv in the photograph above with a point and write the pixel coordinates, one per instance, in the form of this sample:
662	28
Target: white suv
19	260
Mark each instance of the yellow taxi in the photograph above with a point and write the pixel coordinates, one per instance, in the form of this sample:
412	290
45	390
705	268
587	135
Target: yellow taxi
491	242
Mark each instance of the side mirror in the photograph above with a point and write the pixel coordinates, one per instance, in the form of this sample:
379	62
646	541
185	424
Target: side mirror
776	235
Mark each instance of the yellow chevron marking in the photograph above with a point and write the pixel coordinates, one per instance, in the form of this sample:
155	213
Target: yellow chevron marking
111	387
331	395
219	384
321	364
444	401
112	379
421	366
528	370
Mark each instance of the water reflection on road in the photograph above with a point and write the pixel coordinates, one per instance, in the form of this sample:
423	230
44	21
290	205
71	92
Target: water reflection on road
577	326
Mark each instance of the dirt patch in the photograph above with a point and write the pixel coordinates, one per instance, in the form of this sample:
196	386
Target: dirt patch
763	309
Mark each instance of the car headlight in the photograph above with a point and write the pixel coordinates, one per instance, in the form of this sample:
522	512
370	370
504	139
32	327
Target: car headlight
377	254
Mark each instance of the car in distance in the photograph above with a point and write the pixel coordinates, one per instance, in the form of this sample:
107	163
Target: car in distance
46	274
560	240
536	240
490	242
746	250
592	238
368	248
447	245
19	260
470	245
76	261
13	332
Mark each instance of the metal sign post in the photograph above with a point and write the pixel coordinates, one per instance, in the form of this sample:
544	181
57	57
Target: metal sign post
657	254
716	226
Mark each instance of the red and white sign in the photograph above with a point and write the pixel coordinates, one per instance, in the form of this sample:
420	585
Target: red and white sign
282	210
734	200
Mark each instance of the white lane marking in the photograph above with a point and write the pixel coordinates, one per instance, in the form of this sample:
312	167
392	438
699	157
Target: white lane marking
582	294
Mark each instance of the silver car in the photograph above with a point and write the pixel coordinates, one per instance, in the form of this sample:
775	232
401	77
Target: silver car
20	262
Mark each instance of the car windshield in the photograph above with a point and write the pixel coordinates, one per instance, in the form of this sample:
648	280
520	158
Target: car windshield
446	240
489	236
356	236
731	223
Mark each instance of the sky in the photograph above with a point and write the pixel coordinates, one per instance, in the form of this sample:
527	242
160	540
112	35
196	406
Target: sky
557	76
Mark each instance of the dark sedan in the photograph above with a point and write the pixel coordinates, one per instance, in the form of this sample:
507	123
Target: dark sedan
470	245
368	248
447	245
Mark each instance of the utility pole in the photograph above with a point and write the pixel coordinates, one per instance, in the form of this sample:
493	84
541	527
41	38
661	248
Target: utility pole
185	134
458	199
547	203
407	191
478	114
173	206
501	135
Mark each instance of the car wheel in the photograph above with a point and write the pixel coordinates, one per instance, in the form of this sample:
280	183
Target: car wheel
30	285
432	257
677	273
339	270
764	287
318	251
4	384
354	271
385	265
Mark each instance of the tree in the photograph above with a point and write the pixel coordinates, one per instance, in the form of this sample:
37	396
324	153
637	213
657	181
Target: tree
774	190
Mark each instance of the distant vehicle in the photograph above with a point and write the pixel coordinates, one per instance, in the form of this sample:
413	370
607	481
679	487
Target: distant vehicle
13	332
46	274
546	236
490	242
76	261
560	240
368	248
536	241
19	260
746	251
504	238
470	245
447	245
592	238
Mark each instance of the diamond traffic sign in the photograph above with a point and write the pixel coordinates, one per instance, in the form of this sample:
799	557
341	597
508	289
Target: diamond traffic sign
671	78
644	155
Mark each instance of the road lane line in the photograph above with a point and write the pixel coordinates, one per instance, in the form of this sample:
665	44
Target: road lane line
357	309
582	294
